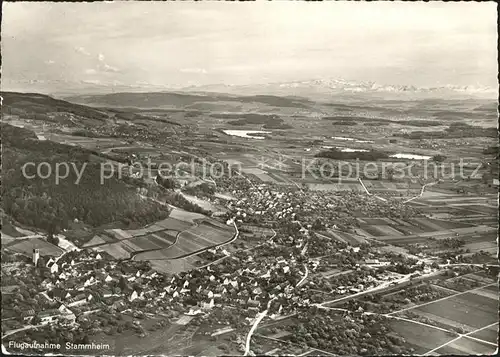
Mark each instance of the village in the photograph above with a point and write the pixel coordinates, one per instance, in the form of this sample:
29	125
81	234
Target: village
305	263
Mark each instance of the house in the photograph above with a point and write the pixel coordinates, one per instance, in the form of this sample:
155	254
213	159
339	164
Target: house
49	262
78	300
253	303
28	315
46	284
222	331
62	314
119	305
53	267
257	291
106	293
133	296
11	289
193	312
48	316
207	306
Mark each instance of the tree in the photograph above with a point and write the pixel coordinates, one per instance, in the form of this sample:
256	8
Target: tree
438	158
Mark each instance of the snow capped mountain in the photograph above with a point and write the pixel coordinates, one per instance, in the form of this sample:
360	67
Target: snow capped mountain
340	87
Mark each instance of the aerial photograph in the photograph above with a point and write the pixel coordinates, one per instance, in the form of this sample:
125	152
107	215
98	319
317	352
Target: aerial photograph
267	178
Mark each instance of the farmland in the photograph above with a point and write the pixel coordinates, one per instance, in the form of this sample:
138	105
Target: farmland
466	346
182	233
421	338
26	246
192	240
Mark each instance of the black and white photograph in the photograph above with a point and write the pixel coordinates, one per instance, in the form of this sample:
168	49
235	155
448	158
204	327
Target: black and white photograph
253	178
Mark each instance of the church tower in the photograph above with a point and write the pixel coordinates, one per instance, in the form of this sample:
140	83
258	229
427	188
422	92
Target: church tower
36	256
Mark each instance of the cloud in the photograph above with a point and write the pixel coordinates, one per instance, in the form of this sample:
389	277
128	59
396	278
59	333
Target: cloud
49	62
194	70
92	81
90	71
101	57
82	50
108	68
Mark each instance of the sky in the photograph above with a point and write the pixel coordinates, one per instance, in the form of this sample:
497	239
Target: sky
54	46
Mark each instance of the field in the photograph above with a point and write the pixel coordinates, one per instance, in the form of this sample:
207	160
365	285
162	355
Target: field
192	240
182	233
26	246
421	338
473	311
335	187
397	229
469	311
352	239
466	346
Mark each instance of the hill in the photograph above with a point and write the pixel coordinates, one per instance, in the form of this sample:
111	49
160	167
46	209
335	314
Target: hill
47	204
182	100
41	107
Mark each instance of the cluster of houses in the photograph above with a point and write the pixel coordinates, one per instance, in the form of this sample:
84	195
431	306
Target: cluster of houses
261	203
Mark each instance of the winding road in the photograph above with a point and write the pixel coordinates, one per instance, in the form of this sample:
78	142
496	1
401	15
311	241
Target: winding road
421	192
258	319
304	278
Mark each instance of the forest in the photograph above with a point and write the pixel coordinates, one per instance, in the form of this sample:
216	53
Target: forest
45	204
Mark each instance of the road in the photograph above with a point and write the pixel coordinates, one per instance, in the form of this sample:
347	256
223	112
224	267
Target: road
258	319
391	316
305	276
379	288
321	352
11	332
244	250
459	337
370	194
444	298
421	192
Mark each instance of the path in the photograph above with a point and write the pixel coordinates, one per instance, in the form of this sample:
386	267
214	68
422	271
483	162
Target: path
322	352
11	332
304	278
244	250
370	194
387	284
187	255
421	192
258	319
443	298
459	337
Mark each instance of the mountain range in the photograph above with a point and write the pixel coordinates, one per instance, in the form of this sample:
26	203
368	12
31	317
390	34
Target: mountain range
317	89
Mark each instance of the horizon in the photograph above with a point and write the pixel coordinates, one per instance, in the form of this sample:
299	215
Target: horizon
91	47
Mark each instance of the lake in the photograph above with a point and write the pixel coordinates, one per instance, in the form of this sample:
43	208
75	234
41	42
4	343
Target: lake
411	156
344	149
351	139
244	133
